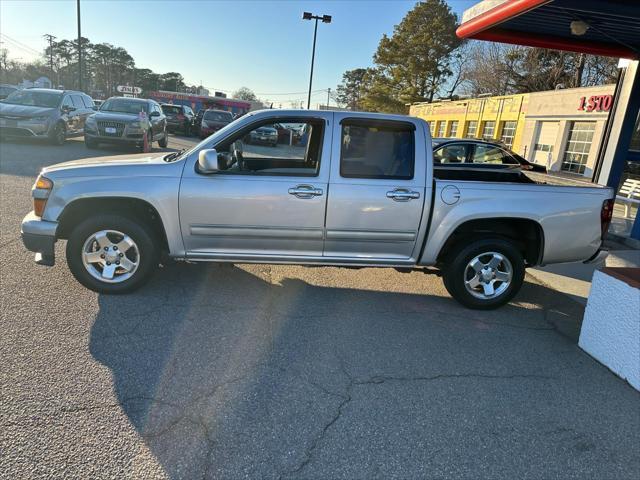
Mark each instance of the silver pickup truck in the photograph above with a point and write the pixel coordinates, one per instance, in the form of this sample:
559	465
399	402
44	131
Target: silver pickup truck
336	188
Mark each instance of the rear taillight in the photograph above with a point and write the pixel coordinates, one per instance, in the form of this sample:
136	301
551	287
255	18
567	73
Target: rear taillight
605	215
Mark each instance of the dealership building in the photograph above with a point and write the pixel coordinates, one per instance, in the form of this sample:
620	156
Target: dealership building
561	129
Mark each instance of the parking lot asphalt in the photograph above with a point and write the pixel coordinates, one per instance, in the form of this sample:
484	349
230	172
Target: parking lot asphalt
264	371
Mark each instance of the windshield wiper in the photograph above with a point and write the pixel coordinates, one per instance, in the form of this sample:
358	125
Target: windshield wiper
172	156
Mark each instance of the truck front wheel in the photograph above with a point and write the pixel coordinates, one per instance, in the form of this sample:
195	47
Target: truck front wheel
112	254
484	274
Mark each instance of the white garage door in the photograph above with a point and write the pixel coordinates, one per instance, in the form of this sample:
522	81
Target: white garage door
543	146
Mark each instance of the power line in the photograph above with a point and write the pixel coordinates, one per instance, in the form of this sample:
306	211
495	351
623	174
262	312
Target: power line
20	45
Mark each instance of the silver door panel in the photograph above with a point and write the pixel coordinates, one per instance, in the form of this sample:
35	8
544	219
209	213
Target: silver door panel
363	222
251	215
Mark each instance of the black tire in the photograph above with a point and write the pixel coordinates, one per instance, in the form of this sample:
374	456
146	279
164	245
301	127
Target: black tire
58	134
164	141
90	144
140	233
455	272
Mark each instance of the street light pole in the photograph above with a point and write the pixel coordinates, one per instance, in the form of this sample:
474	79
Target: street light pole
79	49
325	19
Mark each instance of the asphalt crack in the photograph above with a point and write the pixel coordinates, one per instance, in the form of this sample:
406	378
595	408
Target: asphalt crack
378	379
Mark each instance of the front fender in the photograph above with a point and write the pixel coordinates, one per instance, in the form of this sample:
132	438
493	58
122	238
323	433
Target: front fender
160	192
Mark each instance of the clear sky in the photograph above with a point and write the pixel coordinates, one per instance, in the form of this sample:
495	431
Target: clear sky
260	44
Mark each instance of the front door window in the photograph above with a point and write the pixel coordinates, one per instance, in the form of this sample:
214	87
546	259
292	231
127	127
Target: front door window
286	148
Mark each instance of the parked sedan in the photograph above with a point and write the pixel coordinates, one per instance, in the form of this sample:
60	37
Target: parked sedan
266	135
456	152
214	120
179	118
126	121
45	113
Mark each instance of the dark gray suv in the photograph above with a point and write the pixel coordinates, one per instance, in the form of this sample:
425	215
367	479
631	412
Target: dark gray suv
123	120
45	113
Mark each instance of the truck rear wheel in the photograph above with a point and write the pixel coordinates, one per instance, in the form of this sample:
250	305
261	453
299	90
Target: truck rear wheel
484	274
112	254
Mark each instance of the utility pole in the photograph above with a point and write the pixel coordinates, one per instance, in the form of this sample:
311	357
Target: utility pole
325	19
50	38
328	96
79	49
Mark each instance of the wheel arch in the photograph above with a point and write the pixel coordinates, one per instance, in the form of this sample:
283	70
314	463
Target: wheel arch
527	234
130	207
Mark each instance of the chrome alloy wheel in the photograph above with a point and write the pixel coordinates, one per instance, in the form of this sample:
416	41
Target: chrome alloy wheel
488	275
110	256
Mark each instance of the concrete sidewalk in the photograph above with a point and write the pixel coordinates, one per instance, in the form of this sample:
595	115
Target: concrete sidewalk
574	279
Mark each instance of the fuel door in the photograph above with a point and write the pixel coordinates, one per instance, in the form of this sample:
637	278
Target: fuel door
450	194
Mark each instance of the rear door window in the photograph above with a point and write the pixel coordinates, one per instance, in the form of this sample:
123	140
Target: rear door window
382	150
490	154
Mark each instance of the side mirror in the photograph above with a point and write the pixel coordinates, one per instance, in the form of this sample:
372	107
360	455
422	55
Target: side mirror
95	107
155	114
68	109
208	161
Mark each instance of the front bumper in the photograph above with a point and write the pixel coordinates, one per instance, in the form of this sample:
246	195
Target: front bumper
39	236
264	140
126	138
25	129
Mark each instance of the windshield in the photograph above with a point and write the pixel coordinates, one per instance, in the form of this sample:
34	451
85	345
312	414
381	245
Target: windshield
123	105
218	116
171	109
34	98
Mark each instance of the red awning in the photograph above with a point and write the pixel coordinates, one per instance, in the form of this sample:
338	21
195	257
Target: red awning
612	26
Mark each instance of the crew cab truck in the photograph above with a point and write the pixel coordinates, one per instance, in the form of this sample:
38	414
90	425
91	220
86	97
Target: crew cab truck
358	192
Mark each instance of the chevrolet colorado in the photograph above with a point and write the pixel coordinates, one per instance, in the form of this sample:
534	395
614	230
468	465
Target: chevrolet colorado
357	191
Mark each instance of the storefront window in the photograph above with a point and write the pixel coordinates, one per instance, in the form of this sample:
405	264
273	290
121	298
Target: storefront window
441	129
508	133
453	128
432	127
488	129
576	152
472	127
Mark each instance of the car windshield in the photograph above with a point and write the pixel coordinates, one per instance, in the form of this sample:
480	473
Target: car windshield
218	116
122	105
171	109
34	98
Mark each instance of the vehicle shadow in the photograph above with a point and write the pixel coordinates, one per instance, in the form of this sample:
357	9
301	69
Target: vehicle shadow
232	372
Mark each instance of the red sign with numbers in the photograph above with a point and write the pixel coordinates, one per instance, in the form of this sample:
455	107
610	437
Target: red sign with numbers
596	103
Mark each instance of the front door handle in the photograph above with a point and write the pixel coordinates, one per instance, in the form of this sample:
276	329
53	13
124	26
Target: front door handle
305	191
402	195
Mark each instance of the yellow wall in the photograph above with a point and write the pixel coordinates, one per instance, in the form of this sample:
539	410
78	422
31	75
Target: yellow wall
480	110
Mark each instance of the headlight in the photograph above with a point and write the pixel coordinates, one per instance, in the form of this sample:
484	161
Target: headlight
91	122
135	125
40	193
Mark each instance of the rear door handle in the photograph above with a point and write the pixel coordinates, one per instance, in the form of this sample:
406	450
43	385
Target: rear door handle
305	191
402	195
